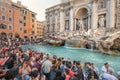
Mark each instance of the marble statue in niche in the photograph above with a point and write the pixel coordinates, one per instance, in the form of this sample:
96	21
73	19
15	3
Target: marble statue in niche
67	25
81	24
101	21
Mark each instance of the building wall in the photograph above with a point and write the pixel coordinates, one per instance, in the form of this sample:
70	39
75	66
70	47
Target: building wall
53	19
18	21
32	24
29	23
22	20
5	7
39	29
61	16
90	11
26	23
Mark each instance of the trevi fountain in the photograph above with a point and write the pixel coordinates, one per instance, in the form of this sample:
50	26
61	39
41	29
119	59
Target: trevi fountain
95	25
83	30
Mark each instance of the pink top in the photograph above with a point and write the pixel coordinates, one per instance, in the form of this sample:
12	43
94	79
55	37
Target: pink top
71	73
67	77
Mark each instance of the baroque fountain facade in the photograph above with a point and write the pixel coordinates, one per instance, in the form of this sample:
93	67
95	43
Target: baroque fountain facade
85	24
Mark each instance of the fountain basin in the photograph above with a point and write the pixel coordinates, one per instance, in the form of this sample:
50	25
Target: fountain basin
78	54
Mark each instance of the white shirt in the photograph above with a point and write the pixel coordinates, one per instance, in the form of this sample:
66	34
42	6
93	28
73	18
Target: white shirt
106	76
46	66
118	72
96	69
104	69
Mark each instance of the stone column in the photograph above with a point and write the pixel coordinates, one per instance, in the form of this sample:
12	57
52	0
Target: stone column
71	19
50	27
111	14
89	25
94	16
75	24
56	24
62	22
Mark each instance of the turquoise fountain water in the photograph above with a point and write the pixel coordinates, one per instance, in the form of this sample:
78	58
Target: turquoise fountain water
78	54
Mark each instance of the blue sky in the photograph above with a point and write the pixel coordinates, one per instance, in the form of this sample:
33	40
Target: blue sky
39	6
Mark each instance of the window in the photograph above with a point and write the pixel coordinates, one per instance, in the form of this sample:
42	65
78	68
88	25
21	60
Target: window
37	27
2	26
25	37
25	12
10	18
24	17
37	31
25	31
32	26
33	15
10	27
24	24
20	21
20	28
10	11
3	9
33	32
32	20
3	17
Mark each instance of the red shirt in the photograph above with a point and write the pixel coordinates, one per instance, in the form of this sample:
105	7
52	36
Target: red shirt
67	77
4	48
71	73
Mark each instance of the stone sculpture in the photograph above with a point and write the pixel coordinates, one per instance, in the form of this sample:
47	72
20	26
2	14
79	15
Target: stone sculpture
81	25
101	21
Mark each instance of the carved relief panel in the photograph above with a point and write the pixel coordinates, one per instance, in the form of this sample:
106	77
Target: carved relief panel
102	4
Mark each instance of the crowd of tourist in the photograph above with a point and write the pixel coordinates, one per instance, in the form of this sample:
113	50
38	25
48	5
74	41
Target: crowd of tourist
18	64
